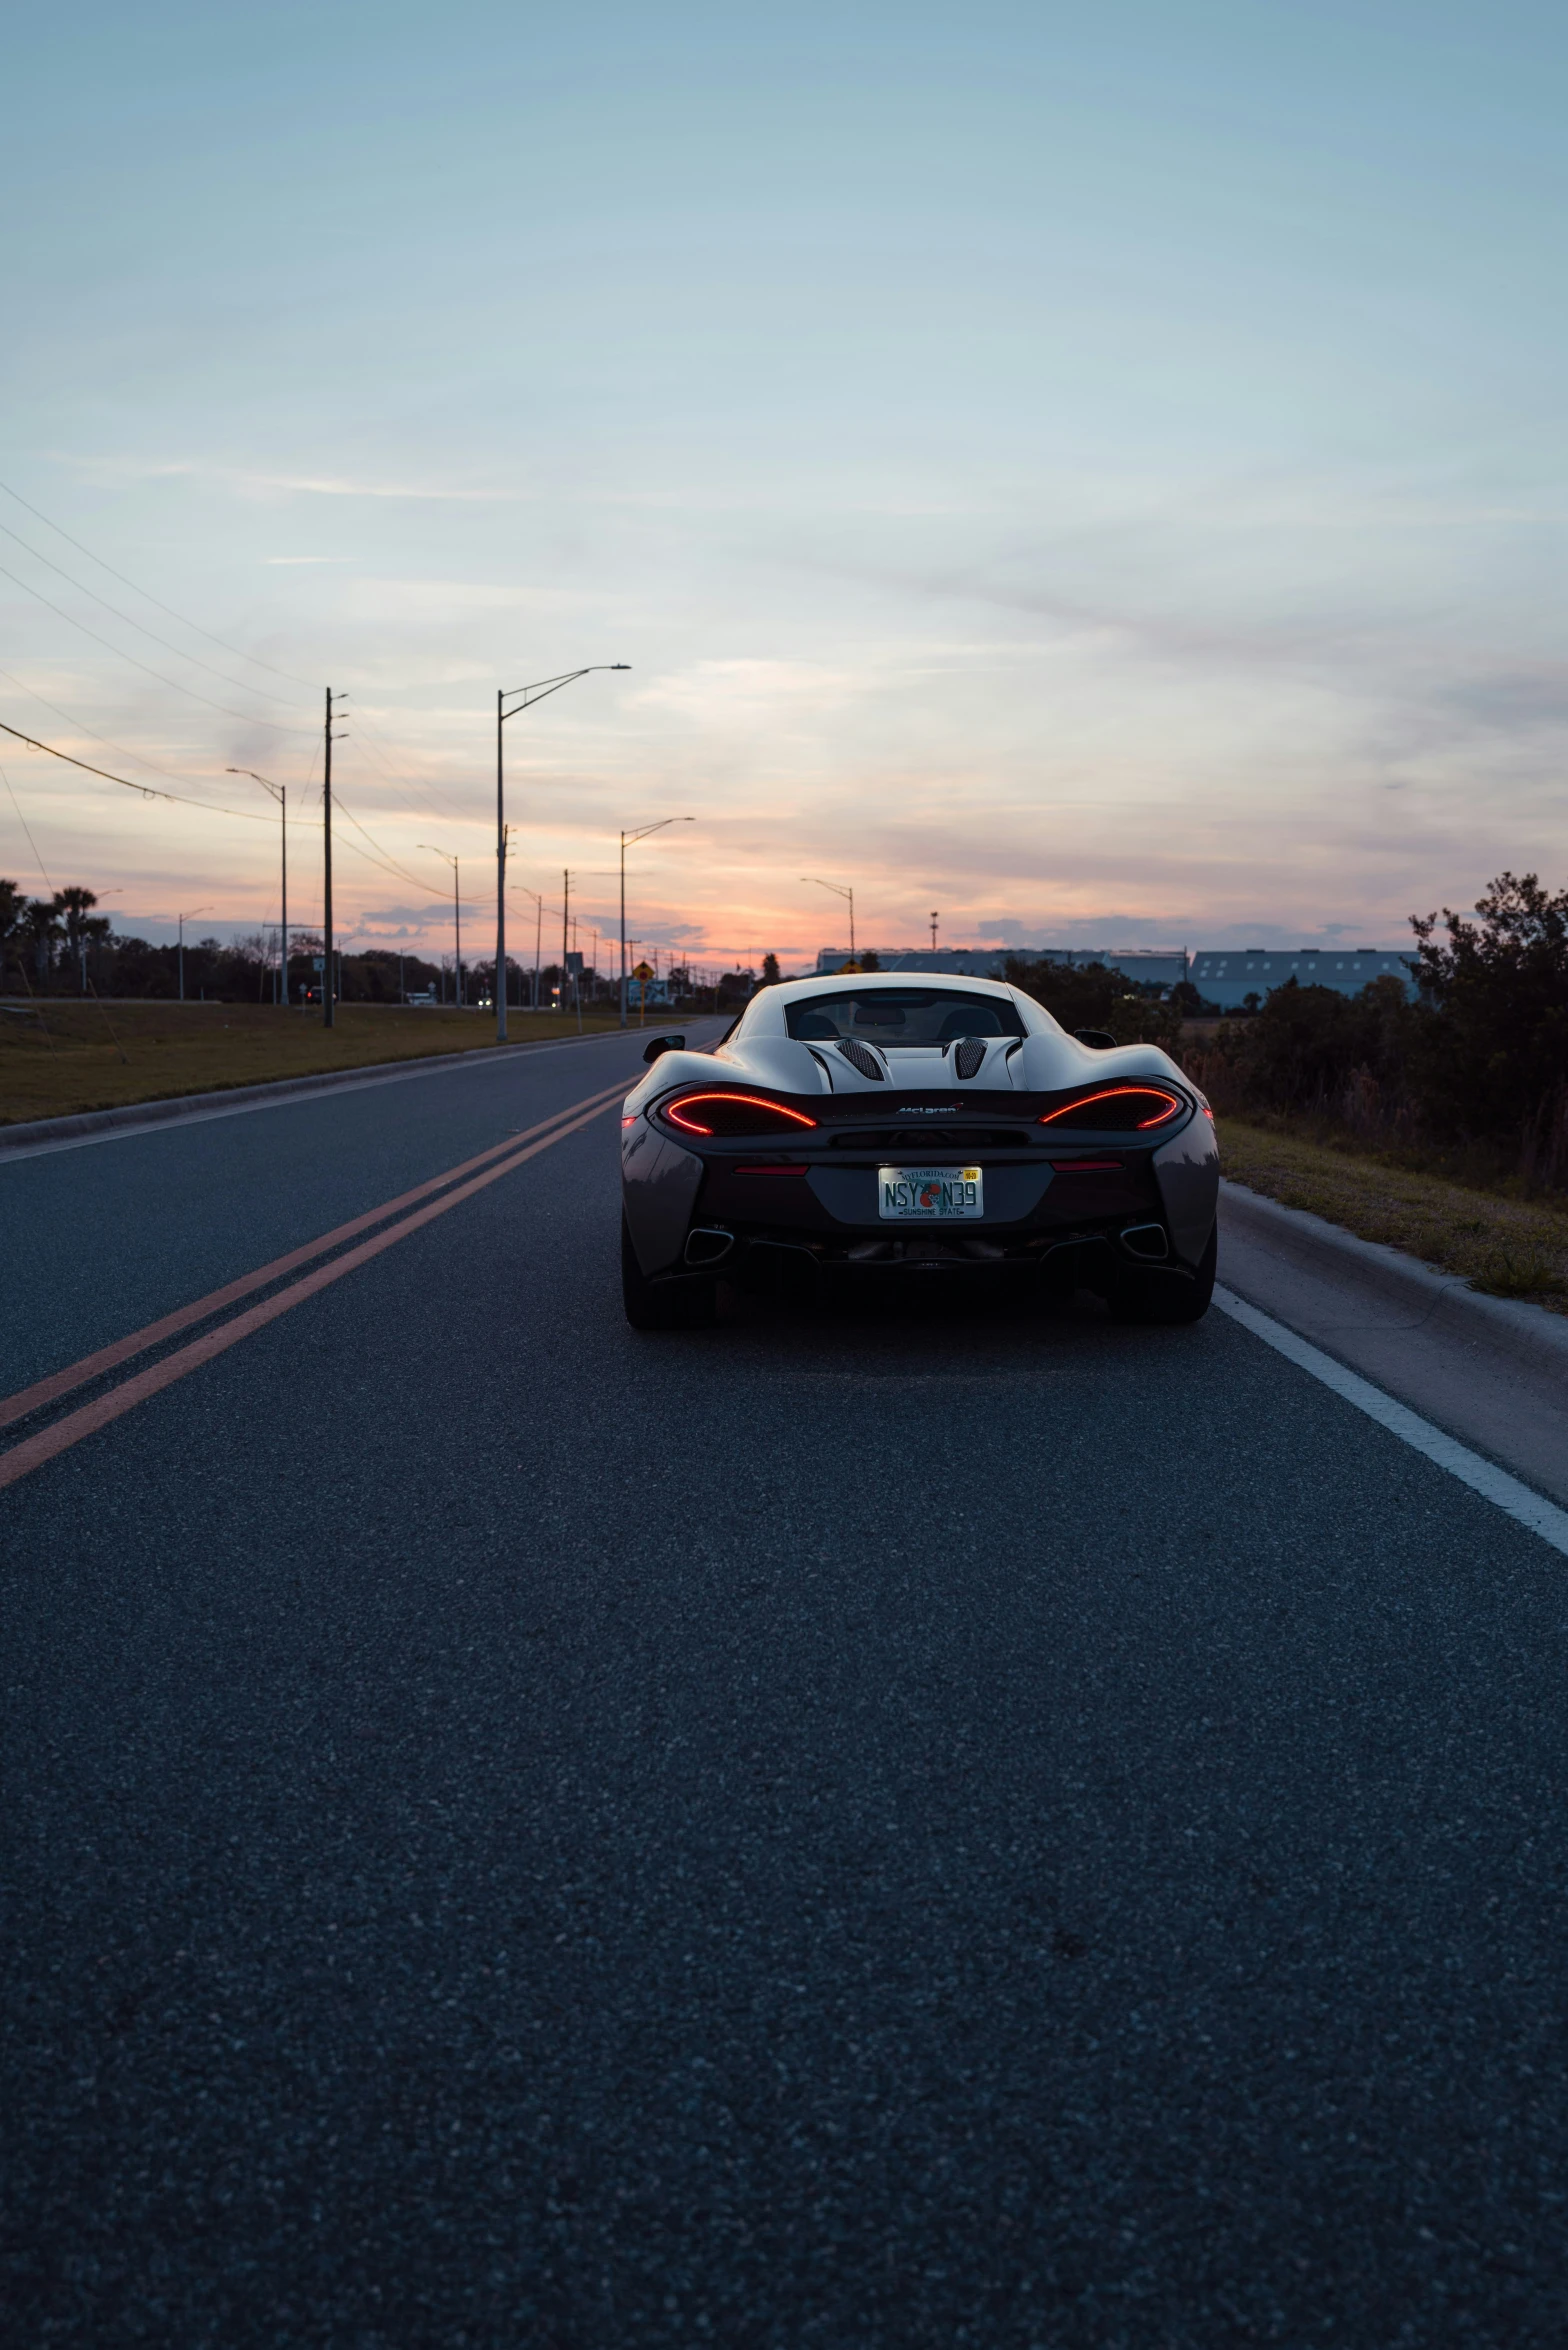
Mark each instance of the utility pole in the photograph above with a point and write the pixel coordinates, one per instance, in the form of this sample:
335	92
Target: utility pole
933	933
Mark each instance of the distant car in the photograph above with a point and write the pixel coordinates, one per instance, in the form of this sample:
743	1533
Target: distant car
866	1126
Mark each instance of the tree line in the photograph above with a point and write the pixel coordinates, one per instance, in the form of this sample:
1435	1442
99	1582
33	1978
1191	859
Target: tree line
58	946
1474	1068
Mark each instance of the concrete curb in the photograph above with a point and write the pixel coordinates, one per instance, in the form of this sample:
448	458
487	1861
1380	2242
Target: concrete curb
1524	1336
170	1108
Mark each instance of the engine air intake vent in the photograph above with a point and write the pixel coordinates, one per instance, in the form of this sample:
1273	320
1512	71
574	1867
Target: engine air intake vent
861	1057
969	1056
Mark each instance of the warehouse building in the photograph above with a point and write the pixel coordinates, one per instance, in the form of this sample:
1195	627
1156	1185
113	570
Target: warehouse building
1227	976
1159	970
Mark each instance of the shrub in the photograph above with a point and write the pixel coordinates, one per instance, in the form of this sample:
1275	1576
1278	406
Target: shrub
1092	995
1311	1048
1497	1049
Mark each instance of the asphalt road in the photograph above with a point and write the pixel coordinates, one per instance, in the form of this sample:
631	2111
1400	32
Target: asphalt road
929	1826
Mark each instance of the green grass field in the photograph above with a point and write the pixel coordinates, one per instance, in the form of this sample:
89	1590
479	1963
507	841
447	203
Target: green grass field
1508	1247
58	1057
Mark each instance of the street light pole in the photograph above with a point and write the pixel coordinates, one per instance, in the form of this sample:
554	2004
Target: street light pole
457	922
184	918
538	932
500	876
839	890
521	697
566	909
327	1007
279	792
629	840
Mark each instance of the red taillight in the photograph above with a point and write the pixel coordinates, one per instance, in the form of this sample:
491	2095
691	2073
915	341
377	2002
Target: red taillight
732	1113
1118	1109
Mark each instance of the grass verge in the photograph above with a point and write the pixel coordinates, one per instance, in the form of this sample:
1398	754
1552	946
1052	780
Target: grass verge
59	1058
1507	1247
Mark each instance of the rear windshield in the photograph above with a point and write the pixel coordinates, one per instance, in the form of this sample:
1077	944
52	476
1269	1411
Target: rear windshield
903	1015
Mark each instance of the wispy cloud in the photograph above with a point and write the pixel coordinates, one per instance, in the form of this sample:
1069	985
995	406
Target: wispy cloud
253	483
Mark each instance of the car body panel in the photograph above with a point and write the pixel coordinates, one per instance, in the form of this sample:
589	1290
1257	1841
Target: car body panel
659	1183
813	1187
1187	1171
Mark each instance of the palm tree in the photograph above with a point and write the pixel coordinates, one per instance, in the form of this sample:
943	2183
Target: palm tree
11	902
41	926
81	926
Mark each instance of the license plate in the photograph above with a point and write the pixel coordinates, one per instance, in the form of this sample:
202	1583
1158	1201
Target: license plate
929	1195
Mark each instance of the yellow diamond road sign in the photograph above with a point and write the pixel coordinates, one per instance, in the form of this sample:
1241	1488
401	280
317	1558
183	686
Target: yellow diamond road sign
642	971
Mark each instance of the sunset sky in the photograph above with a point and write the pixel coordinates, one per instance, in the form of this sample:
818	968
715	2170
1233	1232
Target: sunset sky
1098	472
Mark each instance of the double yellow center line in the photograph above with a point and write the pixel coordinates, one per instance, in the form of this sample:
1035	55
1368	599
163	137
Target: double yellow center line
485	1168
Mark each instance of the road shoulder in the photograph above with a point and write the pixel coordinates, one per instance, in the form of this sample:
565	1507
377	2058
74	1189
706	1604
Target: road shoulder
1491	1371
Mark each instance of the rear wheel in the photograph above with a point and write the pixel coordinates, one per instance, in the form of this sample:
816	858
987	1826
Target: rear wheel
1167	1297
663	1305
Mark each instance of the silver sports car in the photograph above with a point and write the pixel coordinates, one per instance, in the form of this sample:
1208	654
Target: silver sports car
874	1126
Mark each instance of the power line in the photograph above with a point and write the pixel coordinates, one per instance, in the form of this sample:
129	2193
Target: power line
384	853
147	790
244	716
109	744
239	652
178	651
397	774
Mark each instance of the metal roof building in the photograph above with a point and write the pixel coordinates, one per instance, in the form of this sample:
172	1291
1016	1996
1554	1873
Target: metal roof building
1227	976
1162	970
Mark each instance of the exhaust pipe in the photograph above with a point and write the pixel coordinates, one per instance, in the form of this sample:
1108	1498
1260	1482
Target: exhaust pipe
708	1246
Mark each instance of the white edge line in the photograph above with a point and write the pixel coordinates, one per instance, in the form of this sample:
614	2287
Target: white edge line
1482	1476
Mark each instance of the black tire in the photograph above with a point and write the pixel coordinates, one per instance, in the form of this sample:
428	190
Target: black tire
663	1305
1167	1297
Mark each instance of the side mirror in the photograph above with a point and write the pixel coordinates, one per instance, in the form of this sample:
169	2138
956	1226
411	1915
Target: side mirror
663	1044
1098	1037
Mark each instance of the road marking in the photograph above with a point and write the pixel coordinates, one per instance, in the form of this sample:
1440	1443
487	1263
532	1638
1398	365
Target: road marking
1482	1476
107	1358
33	1451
